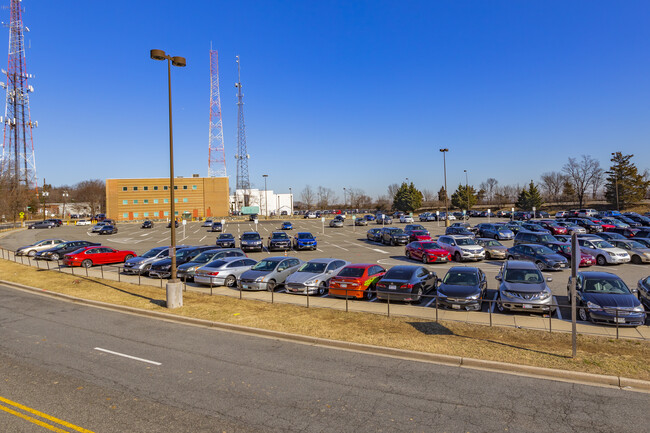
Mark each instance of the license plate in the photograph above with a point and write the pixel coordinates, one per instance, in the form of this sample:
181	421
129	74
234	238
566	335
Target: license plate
392	287
455	307
244	286
619	319
526	306
344	285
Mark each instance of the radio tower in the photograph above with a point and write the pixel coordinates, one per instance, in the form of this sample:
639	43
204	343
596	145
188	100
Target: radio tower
242	156
18	146
216	152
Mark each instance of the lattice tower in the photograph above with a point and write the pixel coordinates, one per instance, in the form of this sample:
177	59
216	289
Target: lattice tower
242	156
18	146
216	151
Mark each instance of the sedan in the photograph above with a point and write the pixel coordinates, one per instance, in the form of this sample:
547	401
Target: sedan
604	252
603	297
356	281
224	271
207	223
360	222
42	225
493	248
427	252
216	227
162	268
31	250
572	228
374	235
90	256
55	253
313	277
462	288
107	230
406	219
83	223
268	273
418	235
336	223
187	270
643	290
169	224
543	257
406	283
564	249
147	224
639	253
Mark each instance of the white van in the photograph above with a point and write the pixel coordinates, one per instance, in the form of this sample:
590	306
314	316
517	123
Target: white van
587	213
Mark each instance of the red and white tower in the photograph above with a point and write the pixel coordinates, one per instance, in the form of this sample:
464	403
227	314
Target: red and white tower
216	151
18	146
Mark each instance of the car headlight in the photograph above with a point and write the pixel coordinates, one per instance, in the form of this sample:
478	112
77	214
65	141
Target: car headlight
311	282
192	268
545	294
259	279
474	297
638	309
165	268
592	306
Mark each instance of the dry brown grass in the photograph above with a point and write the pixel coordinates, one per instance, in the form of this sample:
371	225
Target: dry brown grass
600	355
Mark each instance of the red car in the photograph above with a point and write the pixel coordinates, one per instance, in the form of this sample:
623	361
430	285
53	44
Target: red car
427	251
564	249
419	235
356	281
554	228
97	255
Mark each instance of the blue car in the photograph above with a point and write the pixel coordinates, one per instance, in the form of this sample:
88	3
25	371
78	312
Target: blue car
543	257
304	241
369	217
604	298
286	226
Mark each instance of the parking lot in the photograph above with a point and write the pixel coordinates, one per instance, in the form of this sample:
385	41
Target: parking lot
348	243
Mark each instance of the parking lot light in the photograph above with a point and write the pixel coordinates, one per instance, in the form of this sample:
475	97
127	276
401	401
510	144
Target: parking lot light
444	162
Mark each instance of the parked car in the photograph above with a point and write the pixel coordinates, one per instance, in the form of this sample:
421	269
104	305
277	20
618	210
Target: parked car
543	257
418	235
216	226
643	241
42	225
615	222
309	215
287	225
462	288
32	249
493	248
223	271
427	216
603	297
58	251
369	217
385	219
411	227
268	273
406	219
638	252
162	268
207	223
360	221
374	235
495	231
571	227
522	288
279	241
462	248
628	232
147	224
587	224
313	277
534	227
90	256
186	271
169	224
564	249
513	226
393	236
356	281
304	241
526	237
406	283
643	291
427	252
251	241
56	221
83	223
253	218
141	264
460	231
336	223
107	230
552	227
610	236
225	240
604	252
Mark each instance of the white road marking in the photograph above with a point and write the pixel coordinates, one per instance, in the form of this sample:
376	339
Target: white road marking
379	251
431	301
339	247
203	238
127	356
145	234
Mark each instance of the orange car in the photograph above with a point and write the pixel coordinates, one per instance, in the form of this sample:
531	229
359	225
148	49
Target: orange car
356	281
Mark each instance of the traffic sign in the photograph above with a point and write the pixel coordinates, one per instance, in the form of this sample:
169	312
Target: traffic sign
22	215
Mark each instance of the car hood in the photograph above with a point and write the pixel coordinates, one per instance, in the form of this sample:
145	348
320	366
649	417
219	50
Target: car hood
459	291
138	260
614	250
608	300
523	287
301	277
251	274
499	248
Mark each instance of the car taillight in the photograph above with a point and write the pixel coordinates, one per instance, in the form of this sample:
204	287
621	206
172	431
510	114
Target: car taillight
213	273
406	286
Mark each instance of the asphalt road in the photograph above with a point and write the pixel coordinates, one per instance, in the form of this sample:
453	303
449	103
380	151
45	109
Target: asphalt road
190	379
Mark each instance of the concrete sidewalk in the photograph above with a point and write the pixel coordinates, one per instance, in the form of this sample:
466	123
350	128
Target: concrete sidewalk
511	320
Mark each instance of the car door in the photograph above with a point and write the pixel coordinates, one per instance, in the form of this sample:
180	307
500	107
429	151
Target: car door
106	255
482	282
417	250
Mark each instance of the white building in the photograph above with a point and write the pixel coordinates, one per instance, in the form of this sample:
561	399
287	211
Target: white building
260	201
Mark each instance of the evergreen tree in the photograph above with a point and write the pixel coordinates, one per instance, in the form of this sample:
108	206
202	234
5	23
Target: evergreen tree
460	197
407	198
529	198
625	186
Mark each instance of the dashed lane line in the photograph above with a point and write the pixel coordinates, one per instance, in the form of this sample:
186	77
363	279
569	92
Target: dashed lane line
127	356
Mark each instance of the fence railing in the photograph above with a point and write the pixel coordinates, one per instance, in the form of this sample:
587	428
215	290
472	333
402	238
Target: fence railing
428	301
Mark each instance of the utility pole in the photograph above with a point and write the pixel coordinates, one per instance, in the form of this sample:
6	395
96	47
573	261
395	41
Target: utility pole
444	161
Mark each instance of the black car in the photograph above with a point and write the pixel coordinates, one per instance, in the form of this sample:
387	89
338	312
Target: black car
107	230
250	241
543	257
217	226
374	235
279	241
226	240
59	251
162	268
58	222
628	232
253	217
462	288
394	236
406	283
42	225
147	224
643	289
169	224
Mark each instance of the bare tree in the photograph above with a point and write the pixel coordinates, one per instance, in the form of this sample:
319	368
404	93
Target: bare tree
392	190
428	197
358	198
553	186
92	191
597	183
581	175
325	197
383	203
491	188
307	196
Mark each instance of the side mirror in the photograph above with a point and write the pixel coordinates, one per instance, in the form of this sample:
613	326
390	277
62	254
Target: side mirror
497	277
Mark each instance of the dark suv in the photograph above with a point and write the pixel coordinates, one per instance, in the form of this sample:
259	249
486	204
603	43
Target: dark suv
279	241
525	237
394	236
249	241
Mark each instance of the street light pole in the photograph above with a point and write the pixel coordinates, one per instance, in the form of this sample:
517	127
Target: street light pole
291	198
444	161
467	193
174	287
266	197
344	202
615	173
65	199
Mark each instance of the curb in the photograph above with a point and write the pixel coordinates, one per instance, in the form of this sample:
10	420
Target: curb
448	360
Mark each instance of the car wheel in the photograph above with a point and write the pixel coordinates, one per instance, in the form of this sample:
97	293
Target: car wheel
601	260
418	296
457	256
322	288
540	266
425	259
368	294
510	258
127	257
583	314
230	281
392	242
408	254
636	260
500	306
31	253
270	285
487	255
55	256
87	263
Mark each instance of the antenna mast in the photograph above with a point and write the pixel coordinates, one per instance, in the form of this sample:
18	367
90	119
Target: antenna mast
18	146
243	181
216	151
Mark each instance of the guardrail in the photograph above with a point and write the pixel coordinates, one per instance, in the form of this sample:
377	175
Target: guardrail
431	301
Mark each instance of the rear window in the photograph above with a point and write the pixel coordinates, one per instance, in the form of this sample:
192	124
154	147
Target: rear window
216	264
351	272
398	274
316	268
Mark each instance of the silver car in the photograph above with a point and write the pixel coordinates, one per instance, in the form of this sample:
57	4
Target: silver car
223	272
268	273
522	288
461	247
638	251
336	223
141	264
31	250
313	277
493	248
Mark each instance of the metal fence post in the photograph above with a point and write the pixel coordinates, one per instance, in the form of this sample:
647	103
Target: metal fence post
272	295
139	274
72	270
307	291
490	310
616	310
86	271
388	304
436	309
346	300
550	318
48	265
119	278
240	291
101	268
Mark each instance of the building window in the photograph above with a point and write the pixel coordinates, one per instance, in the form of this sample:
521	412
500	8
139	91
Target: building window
155	201
135	214
124	188
155	188
184	200
166	213
175	186
193	186
135	202
146	214
146	188
125	202
184	186
175	200
166	200
175	212
135	188
165	187
145	201
155	214
125	215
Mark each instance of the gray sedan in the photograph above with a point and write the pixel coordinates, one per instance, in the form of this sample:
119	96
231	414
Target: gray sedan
638	252
314	276
223	272
268	273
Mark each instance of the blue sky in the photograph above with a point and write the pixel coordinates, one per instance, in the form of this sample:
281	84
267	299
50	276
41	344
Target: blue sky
355	94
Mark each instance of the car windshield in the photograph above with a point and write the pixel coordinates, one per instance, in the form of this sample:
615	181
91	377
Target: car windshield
279	236
150	253
205	257
315	268
398	274
265	265
398	232
602	244
606	286
216	264
305	236
465	241
544	251
528	276
430	246
250	236
351	272
226	236
547	238
460	279
503	229
492	243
